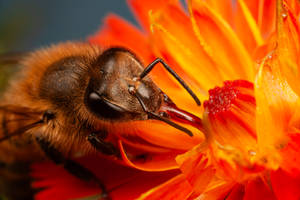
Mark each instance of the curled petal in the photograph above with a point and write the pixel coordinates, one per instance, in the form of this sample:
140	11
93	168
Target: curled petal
276	104
158	134
148	161
288	42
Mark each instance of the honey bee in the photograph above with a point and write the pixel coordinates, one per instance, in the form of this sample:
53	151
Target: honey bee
70	97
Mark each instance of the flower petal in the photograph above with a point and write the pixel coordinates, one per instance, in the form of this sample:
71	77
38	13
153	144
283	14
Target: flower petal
141	9
217	190
121	182
118	32
54	179
250	21
158	134
224	8
197	170
176	188
257	189
151	161
236	193
291	155
294	6
285	185
174	38
276	104
222	44
255	21
263	12
288	32
230	114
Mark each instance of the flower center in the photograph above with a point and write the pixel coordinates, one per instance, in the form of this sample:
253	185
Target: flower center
230	112
221	99
229	118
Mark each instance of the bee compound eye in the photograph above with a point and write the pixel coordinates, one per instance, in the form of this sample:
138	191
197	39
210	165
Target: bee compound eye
102	107
94	97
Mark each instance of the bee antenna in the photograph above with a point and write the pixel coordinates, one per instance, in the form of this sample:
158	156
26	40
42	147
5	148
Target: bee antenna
21	130
158	117
148	69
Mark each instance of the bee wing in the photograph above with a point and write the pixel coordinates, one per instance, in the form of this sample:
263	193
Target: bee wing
12	58
9	64
15	120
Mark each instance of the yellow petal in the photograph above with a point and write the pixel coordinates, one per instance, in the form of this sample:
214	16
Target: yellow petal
251	23
174	39
221	42
276	104
288	31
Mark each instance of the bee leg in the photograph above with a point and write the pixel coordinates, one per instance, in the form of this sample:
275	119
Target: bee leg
71	166
97	141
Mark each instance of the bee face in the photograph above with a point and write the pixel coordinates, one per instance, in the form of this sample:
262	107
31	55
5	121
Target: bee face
107	95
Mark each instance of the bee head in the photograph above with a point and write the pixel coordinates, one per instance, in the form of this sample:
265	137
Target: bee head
107	94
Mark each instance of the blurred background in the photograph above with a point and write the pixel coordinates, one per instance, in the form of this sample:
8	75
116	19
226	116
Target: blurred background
29	24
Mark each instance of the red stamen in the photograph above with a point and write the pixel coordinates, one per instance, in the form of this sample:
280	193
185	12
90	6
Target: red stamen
221	99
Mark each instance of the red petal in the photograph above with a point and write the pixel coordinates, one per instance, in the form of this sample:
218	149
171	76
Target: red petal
291	155
175	189
56	181
153	162
219	191
236	193
285	185
118	32
142	8
123	183
257	189
197	170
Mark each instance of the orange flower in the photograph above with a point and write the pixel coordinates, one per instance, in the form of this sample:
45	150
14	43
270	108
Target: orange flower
241	58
